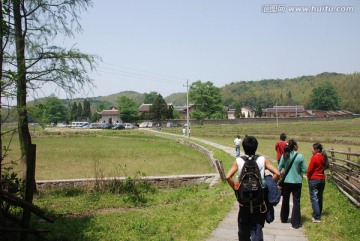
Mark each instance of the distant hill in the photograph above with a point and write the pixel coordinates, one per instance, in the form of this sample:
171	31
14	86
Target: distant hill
113	99
263	93
295	91
177	99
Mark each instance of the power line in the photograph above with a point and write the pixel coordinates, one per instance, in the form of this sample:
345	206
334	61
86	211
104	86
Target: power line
145	71
136	75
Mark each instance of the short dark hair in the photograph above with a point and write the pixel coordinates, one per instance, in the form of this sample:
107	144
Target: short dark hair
317	146
283	136
250	145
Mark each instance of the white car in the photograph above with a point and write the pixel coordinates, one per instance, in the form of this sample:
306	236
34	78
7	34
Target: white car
129	126
146	125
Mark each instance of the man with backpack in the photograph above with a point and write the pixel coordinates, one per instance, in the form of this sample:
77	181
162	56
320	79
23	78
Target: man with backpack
251	191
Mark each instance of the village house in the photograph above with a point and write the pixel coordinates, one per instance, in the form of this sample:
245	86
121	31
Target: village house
246	112
183	110
145	108
284	111
110	116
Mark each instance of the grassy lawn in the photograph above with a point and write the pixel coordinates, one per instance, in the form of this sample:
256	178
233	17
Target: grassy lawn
189	213
186	213
112	153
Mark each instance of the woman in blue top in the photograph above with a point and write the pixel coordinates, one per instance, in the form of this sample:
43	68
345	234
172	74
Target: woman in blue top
292	183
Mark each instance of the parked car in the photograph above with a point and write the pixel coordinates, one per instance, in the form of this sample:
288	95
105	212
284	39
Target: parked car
95	126
129	126
146	125
118	126
107	126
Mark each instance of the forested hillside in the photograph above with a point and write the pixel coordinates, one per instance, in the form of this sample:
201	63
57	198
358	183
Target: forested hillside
297	91
263	93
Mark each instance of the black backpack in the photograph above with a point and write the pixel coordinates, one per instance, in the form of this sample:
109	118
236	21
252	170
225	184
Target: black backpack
250	193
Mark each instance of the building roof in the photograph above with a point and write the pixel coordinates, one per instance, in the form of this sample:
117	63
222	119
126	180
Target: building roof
112	111
285	109
146	107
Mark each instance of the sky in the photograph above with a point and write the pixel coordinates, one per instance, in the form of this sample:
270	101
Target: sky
161	45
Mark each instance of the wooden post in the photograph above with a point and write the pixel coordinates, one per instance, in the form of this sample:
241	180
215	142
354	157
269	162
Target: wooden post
220	169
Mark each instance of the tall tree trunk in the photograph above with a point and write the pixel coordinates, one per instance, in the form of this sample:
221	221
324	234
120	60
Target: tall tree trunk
1	85
24	133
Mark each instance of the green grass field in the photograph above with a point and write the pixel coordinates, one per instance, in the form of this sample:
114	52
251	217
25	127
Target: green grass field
189	213
113	153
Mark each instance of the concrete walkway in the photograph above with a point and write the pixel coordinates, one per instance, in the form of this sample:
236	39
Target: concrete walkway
275	231
227	229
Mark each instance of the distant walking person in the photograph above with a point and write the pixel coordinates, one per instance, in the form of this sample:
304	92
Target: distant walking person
251	220
237	143
279	146
316	179
294	165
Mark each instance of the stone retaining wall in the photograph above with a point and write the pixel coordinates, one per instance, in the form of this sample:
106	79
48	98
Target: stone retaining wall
158	181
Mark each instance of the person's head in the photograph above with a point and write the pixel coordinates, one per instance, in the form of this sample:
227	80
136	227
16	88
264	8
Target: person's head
291	145
283	136
250	145
317	148
238	136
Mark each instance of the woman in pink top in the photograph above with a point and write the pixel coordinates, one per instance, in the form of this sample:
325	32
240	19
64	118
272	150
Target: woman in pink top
316	179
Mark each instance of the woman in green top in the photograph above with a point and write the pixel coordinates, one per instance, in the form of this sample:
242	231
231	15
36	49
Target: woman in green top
292	183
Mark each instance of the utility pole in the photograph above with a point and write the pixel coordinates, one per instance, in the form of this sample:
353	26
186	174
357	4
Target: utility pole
187	108
277	117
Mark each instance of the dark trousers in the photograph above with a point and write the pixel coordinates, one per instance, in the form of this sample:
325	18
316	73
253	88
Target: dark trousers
316	189
295	189
250	224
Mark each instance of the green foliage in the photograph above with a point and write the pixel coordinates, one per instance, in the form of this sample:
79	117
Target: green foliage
198	115
266	93
79	112
52	109
237	113
159	109
150	97
86	110
10	181
74	112
325	97
135	190
127	109
258	111
207	98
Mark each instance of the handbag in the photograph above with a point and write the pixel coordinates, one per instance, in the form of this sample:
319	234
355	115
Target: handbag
284	172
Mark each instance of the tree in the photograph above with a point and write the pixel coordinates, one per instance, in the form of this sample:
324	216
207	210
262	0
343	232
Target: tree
73	111
325	97
86	110
127	109
32	61
237	113
258	111
51	110
206	97
79	112
150	97
159	109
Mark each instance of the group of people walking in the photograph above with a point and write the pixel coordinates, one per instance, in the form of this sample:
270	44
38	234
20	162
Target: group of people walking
290	171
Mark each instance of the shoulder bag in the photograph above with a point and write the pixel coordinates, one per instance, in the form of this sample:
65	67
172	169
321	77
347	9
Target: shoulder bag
283	175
